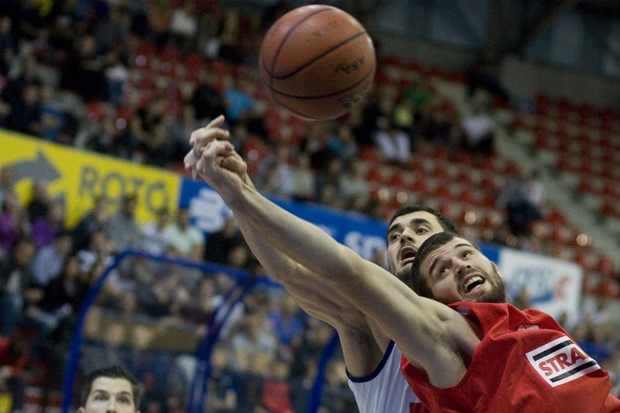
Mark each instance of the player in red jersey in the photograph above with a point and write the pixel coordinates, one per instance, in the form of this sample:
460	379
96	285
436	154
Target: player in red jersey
521	361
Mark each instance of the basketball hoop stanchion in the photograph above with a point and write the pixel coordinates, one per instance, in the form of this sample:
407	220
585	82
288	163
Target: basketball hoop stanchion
244	283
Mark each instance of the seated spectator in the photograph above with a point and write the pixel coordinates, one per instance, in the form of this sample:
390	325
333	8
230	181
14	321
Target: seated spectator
93	221
50	259
14	224
154	235
186	239
219	244
25	113
14	353
7	182
40	200
304	178
122	228
238	101
46	229
485	75
16	288
353	184
479	130
394	145
62	297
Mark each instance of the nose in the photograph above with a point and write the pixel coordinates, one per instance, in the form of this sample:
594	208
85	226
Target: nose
406	237
460	267
111	405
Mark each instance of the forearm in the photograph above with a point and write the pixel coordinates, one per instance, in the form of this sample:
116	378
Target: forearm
288	241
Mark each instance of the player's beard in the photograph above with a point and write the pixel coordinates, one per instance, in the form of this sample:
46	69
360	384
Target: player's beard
497	294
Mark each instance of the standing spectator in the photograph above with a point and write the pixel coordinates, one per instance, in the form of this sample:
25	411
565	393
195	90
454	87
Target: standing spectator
186	239
122	228
16	288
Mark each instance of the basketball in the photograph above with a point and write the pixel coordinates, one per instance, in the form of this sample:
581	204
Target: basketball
317	62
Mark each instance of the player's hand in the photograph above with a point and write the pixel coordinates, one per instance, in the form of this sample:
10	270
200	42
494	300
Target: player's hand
200	138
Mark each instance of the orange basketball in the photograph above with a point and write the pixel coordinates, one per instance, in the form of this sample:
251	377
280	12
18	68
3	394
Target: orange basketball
317	62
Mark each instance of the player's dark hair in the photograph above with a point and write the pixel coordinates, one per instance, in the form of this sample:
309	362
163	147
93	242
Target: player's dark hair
115	372
445	223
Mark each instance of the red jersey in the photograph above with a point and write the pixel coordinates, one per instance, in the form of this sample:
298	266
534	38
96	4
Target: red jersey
525	363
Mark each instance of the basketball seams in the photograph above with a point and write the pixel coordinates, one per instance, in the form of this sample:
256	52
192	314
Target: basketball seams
288	34
307	54
353	86
319	57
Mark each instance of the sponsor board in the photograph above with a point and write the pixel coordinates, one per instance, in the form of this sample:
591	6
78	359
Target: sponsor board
77	177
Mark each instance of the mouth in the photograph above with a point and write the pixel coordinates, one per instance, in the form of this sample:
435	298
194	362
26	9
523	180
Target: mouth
407	255
472	283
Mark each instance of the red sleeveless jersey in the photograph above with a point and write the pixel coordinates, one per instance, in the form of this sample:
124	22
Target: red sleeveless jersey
525	363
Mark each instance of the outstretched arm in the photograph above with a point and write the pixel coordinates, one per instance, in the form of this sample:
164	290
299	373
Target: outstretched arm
426	331
362	349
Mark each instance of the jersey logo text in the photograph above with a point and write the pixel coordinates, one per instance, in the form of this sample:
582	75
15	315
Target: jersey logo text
561	361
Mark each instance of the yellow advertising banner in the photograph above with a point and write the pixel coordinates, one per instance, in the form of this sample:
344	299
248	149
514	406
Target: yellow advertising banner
79	176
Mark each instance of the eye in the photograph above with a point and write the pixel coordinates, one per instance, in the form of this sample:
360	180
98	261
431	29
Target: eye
422	230
393	236
124	400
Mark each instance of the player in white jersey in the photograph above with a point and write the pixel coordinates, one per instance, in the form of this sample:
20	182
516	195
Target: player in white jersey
371	358
385	389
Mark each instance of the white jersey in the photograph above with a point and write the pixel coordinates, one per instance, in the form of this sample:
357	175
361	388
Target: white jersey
385	389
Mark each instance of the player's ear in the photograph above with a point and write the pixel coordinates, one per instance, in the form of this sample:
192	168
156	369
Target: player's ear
496	268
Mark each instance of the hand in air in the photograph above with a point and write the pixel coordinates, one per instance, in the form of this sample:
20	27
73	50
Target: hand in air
212	156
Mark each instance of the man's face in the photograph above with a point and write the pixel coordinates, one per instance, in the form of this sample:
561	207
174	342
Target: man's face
458	271
405	235
110	395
